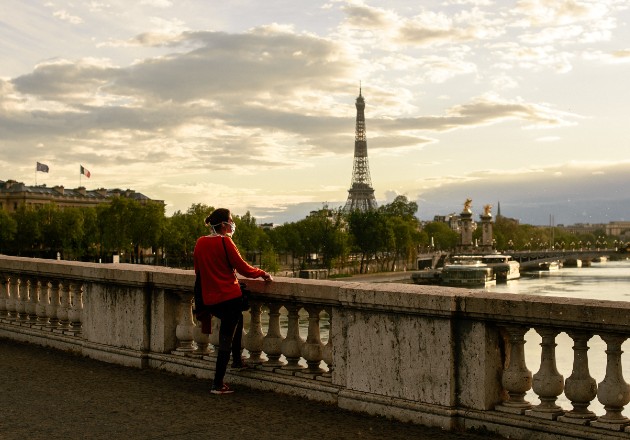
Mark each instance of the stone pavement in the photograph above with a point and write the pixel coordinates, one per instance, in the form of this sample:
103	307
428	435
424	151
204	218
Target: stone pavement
49	395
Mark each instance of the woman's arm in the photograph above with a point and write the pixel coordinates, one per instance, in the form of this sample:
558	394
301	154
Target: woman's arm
241	266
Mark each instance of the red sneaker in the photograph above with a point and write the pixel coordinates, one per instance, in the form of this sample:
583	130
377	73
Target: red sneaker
224	389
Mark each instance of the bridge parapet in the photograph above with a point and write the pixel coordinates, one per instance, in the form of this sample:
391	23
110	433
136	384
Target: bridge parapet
439	356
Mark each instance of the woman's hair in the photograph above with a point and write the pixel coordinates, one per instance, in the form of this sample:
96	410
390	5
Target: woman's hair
217	217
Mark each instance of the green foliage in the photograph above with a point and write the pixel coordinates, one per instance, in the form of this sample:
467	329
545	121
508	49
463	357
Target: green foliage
389	236
444	238
8	229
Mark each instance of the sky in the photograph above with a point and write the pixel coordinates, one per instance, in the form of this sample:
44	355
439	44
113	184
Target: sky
250	105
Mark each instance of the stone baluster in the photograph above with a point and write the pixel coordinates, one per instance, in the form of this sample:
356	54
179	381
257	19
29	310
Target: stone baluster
20	300
580	388
30	301
548	383
312	349
327	352
516	379
292	344
75	311
255	336
64	308
4	295
12	295
613	392
185	330
41	310
214	336
272	343
53	305
202	340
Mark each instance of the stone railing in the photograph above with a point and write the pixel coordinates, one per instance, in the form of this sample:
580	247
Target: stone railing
452	358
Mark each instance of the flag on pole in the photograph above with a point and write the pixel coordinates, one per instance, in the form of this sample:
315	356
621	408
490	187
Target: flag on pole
85	172
41	167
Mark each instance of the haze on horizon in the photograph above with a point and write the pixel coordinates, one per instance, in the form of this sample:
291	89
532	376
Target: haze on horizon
250	105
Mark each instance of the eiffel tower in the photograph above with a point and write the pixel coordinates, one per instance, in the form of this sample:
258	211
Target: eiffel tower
361	193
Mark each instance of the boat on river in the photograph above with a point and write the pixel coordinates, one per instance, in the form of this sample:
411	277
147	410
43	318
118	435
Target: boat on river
549	265
467	271
503	266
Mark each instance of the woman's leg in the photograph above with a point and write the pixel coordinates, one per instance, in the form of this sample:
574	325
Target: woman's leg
230	315
237	342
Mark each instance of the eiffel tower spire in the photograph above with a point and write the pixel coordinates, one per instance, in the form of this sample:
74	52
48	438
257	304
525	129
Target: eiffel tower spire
360	194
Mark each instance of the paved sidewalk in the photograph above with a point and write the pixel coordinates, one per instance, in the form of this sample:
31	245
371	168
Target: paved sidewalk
46	394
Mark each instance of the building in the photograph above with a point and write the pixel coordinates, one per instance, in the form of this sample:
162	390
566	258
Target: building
14	194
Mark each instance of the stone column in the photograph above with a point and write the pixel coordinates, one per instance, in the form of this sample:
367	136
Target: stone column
580	388
327	353
30	306
548	382
12	293
64	307
517	379
465	241
185	330
202	341
4	295
312	349
292	344
21	296
75	311
272	343
214	335
613	392
254	338
486	230
42	304
53	304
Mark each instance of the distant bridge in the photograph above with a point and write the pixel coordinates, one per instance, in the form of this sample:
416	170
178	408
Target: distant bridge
530	258
533	258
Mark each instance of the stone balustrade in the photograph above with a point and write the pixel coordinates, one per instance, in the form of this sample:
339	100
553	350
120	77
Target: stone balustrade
439	356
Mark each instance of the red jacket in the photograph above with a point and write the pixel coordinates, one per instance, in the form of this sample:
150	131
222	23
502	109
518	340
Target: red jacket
218	281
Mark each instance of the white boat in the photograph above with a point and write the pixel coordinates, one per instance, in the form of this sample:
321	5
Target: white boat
549	265
504	267
467	272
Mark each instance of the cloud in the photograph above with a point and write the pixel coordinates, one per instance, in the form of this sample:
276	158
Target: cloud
66	16
573	192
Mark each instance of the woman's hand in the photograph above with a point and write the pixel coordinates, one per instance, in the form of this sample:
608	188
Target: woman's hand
267	277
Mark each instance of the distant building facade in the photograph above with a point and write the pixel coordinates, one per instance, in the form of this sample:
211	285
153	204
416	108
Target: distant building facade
14	194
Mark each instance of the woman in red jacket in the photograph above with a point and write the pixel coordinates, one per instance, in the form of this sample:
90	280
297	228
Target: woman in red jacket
216	260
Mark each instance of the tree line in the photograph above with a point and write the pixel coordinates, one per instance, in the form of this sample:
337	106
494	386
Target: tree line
384	239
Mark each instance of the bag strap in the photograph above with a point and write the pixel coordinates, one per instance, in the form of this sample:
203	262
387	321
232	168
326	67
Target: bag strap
227	257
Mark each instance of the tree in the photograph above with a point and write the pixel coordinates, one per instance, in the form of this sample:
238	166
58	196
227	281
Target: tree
444	238
28	234
146	227
366	230
181	231
8	229
114	223
402	229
